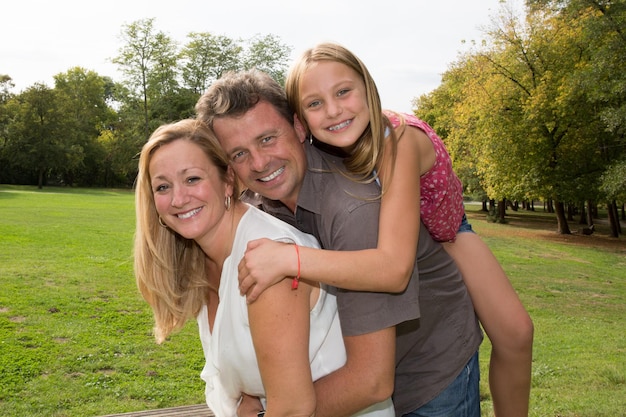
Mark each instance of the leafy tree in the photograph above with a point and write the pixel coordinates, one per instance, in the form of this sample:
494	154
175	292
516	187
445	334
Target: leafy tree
88	129
522	107
147	59
603	24
6	84
536	111
268	54
121	141
614	181
83	101
601	77
206	57
36	133
453	111
614	187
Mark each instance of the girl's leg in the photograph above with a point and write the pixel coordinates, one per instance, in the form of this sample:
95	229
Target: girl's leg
505	321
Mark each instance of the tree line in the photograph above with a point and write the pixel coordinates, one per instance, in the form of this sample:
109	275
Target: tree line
538	110
88	128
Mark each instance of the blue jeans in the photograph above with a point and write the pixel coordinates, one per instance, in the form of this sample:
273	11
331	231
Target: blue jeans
460	399
465	226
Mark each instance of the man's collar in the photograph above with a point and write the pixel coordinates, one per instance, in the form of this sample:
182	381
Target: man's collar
319	165
261	202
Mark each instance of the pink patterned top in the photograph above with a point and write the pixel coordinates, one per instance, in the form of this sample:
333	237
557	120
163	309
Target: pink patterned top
441	202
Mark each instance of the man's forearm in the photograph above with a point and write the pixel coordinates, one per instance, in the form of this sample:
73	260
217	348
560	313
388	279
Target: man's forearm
366	378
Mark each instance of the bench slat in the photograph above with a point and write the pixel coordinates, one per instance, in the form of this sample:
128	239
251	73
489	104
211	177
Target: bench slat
200	410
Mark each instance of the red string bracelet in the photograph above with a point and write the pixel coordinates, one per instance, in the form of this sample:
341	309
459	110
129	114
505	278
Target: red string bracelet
296	279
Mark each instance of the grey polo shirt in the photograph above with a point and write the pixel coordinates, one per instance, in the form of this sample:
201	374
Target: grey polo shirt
437	329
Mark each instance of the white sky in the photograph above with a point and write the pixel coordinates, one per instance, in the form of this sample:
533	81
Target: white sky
406	44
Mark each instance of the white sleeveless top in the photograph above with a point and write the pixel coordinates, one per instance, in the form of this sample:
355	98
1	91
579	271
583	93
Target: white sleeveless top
231	366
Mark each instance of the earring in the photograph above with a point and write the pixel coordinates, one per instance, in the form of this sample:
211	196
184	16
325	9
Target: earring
227	203
310	138
161	222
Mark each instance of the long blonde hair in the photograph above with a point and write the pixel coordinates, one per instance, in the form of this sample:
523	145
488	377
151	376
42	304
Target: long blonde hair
369	149
170	270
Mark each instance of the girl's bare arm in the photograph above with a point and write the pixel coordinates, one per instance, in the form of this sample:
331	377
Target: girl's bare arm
388	267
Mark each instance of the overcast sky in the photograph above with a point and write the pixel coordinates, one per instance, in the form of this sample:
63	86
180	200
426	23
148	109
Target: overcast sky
406	44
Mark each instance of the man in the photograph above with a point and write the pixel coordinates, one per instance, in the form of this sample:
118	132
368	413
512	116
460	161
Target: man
425	339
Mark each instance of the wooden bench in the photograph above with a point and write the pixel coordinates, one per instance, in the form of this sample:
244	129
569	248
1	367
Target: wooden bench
200	410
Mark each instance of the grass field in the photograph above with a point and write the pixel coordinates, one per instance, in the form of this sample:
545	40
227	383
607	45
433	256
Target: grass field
75	336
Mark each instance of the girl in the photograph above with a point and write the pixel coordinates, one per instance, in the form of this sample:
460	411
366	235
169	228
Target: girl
337	101
190	234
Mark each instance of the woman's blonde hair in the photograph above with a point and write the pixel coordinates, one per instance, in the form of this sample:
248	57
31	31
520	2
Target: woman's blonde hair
368	152
170	270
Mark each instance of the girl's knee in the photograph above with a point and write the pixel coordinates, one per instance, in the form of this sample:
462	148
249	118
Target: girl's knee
522	340
518	339
527	333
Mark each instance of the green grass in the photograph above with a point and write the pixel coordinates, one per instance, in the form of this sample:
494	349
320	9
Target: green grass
574	288
75	336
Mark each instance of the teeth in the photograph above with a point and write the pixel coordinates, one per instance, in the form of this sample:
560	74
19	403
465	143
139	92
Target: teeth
189	214
272	175
340	125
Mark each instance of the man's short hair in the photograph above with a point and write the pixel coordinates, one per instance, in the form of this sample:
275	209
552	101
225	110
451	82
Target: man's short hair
235	93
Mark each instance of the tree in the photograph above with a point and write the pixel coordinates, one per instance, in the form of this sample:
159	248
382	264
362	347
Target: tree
83	101
614	187
206	57
6	84
451	111
148	61
537	137
124	139
268	54
601	76
36	133
530	113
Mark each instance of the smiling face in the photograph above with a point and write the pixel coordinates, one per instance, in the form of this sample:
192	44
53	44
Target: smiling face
334	103
188	190
265	151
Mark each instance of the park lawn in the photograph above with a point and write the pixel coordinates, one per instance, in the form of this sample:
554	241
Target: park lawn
574	288
75	335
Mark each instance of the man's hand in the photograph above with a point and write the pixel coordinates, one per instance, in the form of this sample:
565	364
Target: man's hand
249	406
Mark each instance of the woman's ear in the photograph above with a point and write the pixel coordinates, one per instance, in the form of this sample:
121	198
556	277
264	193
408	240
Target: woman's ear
231	182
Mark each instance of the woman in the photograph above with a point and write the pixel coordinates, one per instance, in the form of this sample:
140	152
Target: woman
191	233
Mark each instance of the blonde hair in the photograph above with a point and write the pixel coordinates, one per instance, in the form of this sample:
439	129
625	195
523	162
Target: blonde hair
170	270
369	149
